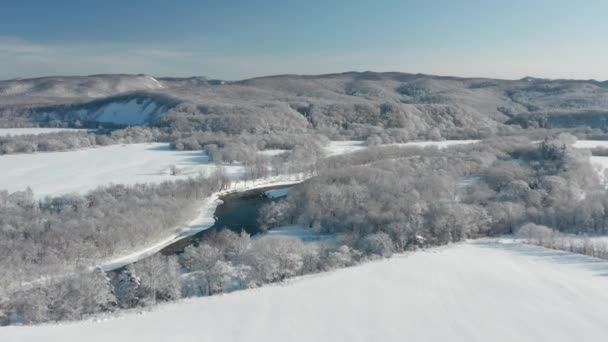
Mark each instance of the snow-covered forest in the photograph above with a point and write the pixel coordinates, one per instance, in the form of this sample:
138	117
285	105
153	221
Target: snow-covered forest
377	165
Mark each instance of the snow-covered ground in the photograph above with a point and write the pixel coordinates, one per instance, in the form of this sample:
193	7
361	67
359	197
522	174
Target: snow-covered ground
128	112
297	231
341	147
25	131
272	153
591	143
438	144
276	193
79	171
348	146
477	291
82	170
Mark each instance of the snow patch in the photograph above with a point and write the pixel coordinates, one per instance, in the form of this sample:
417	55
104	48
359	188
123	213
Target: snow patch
341	147
155	81
348	146
438	144
131	112
590	143
272	153
277	193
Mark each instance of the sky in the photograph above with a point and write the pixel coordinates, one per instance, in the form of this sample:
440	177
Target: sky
241	39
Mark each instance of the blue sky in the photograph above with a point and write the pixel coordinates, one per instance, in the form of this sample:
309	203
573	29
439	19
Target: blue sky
241	39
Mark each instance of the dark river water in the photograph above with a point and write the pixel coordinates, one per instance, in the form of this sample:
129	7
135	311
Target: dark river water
238	212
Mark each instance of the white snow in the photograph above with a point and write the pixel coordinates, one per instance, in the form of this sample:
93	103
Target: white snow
132	112
348	146
590	143
155	81
477	291
438	144
277	193
27	131
341	147
128	113
79	171
272	153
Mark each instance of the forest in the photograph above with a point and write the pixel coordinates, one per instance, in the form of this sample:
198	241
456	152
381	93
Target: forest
373	203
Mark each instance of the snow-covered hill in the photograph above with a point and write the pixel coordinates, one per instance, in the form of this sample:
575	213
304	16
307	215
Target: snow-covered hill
477	291
119	111
94	86
414	102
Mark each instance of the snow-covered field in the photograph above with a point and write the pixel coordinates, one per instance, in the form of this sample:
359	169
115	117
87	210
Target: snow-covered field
82	170
477	291
341	147
438	144
348	146
272	153
590	143
79	171
25	131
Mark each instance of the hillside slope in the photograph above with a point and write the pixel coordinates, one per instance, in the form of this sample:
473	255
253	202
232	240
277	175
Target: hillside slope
55	88
477	291
409	106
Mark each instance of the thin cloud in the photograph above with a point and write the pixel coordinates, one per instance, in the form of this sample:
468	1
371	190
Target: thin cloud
162	53
19	46
22	58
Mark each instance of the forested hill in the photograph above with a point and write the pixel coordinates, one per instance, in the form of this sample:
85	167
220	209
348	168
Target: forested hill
394	106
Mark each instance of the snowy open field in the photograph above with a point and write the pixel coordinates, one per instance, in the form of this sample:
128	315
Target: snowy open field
590	143
78	171
476	291
82	170
26	131
348	146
